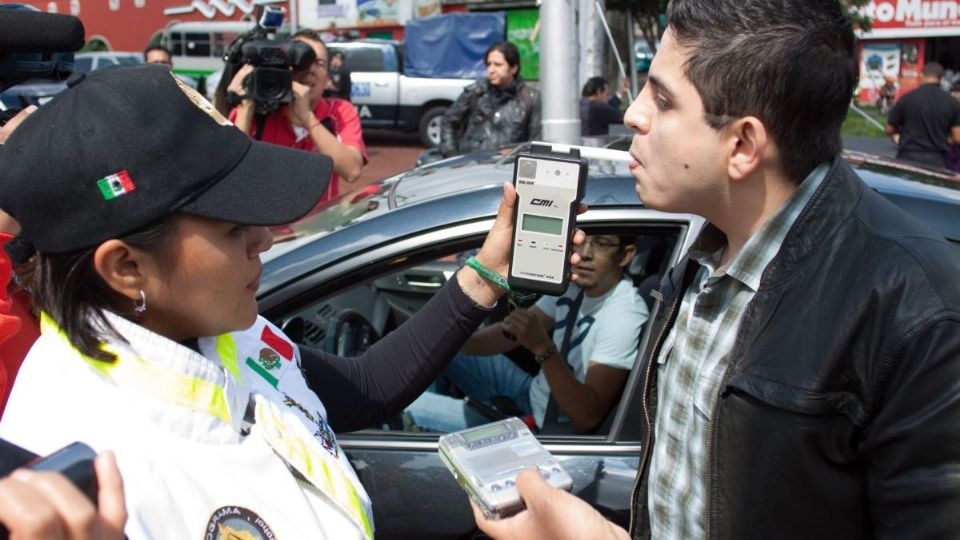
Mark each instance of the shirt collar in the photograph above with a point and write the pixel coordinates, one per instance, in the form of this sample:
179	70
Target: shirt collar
763	245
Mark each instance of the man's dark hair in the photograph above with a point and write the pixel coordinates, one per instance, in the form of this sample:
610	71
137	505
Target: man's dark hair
336	54
307	33
156	47
593	85
790	63
933	70
509	51
68	289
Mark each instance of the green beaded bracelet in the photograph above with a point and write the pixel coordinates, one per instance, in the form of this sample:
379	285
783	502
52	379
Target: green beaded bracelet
488	274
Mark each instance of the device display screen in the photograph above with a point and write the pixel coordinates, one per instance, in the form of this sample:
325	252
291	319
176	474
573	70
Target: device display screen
483	433
542	224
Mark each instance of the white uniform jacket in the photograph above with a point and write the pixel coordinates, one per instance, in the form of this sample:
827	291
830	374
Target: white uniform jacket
227	444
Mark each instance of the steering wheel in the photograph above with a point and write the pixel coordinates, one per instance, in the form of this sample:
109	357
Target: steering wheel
349	334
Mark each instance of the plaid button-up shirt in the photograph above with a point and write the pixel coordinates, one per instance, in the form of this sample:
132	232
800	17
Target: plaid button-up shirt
694	359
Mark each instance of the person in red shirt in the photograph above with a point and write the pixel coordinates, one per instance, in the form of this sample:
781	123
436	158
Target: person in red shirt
311	122
18	327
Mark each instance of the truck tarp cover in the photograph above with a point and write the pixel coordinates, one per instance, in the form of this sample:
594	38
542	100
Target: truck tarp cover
451	45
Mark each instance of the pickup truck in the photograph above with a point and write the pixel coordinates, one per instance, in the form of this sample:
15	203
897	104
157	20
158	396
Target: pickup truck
386	98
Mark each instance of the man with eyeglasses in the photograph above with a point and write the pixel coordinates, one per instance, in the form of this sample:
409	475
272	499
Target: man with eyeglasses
585	343
312	123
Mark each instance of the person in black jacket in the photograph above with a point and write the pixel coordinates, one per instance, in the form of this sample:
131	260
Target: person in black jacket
926	121
598	109
495	111
803	381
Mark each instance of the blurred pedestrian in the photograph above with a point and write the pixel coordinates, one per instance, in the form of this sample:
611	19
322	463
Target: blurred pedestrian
158	54
598	108
495	111
338	85
925	121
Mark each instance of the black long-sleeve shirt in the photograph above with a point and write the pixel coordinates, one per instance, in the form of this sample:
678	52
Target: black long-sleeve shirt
369	389
597	116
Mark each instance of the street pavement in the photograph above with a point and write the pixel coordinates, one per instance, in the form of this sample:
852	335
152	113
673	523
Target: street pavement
390	152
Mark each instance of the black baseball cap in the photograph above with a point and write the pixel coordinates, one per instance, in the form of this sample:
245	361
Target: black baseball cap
121	148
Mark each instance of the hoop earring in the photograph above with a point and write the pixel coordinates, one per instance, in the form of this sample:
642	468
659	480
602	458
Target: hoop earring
142	306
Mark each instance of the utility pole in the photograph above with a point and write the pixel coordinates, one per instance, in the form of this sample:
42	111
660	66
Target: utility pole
592	41
558	72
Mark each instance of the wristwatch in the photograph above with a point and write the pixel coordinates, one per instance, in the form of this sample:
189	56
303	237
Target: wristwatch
542	357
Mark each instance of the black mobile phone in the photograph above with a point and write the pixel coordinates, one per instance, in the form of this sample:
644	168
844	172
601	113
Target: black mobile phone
75	461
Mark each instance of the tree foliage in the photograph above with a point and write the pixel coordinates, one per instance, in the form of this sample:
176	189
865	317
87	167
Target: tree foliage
651	21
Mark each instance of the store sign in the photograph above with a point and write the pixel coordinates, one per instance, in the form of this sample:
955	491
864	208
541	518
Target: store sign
939	17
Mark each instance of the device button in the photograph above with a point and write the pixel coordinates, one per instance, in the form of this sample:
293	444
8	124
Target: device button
556	470
495	487
510	483
544	474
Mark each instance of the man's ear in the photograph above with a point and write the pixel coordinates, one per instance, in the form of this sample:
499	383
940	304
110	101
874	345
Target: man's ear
629	252
749	142
514	70
121	267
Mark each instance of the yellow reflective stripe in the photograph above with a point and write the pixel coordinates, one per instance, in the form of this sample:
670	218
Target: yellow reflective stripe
300	452
226	348
191	392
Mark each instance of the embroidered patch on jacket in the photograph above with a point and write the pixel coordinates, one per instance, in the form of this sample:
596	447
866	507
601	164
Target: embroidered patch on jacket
269	358
237	523
323	434
277	343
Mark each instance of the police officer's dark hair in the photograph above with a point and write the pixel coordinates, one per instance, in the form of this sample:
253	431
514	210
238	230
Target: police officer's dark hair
790	63
593	85
69	290
509	51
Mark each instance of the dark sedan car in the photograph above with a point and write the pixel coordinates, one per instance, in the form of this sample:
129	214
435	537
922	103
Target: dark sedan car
361	267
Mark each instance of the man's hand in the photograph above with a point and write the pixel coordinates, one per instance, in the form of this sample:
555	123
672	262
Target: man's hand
623	89
12	124
299	111
551	513
526	327
35	505
236	83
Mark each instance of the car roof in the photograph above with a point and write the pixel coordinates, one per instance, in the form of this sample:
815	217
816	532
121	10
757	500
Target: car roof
97	54
468	188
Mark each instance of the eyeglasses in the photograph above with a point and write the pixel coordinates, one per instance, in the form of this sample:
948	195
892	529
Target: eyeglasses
599	243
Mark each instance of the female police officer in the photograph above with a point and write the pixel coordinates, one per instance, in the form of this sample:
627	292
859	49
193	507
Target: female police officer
147	211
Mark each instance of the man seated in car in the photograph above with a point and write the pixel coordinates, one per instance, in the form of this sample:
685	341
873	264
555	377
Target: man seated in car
584	341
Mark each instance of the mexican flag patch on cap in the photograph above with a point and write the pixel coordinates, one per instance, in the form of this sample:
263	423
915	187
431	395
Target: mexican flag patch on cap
115	185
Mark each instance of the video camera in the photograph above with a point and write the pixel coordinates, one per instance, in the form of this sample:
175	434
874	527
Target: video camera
274	62
35	45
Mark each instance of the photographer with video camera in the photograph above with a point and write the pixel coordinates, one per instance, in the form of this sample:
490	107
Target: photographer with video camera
307	120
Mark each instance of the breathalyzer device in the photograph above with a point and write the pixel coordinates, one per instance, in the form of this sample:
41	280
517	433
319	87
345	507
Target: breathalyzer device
549	185
486	460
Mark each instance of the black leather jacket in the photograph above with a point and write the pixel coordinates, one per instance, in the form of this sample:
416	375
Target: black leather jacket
839	416
486	118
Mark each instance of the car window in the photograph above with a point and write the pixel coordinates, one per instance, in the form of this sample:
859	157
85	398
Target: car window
83	64
369	59
129	60
384	301
197	44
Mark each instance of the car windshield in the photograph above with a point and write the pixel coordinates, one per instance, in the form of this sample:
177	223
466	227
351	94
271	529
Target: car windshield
129	60
334	214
